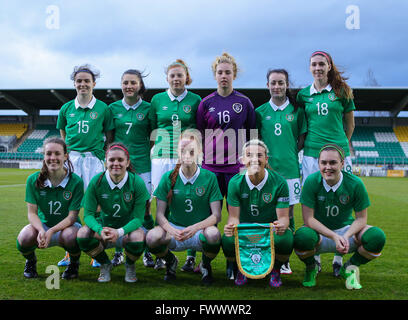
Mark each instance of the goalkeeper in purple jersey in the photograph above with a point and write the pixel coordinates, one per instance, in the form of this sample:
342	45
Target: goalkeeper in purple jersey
225	119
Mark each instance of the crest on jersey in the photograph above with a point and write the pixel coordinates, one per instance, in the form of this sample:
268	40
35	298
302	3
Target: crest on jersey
67	195
267	197
140	116
93	115
200	191
344	198
331	96
237	107
290	117
187	108
127	196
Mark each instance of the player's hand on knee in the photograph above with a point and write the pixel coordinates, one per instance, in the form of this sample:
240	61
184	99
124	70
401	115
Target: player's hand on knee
229	229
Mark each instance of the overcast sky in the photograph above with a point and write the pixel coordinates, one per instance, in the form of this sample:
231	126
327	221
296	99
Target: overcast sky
43	40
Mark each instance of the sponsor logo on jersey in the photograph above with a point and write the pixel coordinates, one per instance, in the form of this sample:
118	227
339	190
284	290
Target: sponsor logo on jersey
105	196
331	96
310	99
237	107
212	109
245	196
176	191
344	198
43	193
200	191
93	115
140	116
165	107
67	195
268	117
321	198
283	199
127	196
120	115
187	108
290	117
267	197
72	115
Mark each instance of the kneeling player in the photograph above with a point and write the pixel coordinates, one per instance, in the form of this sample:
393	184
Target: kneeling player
328	199
53	198
121	195
194	200
259	195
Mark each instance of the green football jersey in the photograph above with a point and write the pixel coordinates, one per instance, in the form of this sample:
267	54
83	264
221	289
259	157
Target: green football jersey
54	203
280	129
334	208
132	128
258	205
324	113
171	117
191	200
122	205
85	128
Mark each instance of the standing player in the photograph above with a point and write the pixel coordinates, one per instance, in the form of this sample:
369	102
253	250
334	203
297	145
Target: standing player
53	198
172	112
282	126
121	194
224	118
259	195
326	102
193	197
132	128
328	200
84	123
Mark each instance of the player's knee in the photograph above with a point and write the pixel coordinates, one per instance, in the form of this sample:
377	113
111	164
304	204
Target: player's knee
27	236
68	235
154	236
284	244
212	235
305	239
228	246
373	240
84	232
136	236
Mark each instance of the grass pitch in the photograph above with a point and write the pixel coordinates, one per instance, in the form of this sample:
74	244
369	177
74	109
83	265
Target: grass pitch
383	279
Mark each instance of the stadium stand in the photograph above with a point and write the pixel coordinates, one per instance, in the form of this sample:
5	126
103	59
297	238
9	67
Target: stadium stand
13	129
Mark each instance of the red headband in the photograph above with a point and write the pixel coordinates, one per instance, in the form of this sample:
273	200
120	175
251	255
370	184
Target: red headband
120	147
323	54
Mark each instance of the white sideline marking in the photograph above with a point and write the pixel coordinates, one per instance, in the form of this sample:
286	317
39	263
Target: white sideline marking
12	185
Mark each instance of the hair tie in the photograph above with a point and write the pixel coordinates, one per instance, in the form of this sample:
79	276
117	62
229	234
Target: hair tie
321	53
120	147
334	146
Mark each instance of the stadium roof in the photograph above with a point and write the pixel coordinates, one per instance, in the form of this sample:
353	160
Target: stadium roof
393	100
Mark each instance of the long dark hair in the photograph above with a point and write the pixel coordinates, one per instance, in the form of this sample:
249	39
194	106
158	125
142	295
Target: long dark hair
289	93
44	174
140	75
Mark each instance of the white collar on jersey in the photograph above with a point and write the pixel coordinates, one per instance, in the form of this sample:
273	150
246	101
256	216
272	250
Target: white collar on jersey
134	107
314	91
179	98
112	184
336	186
192	179
260	185
63	183
281	108
89	106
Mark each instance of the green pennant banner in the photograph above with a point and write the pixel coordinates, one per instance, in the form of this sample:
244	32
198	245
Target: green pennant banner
254	249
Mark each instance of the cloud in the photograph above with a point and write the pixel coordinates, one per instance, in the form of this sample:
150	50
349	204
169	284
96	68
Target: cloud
148	35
